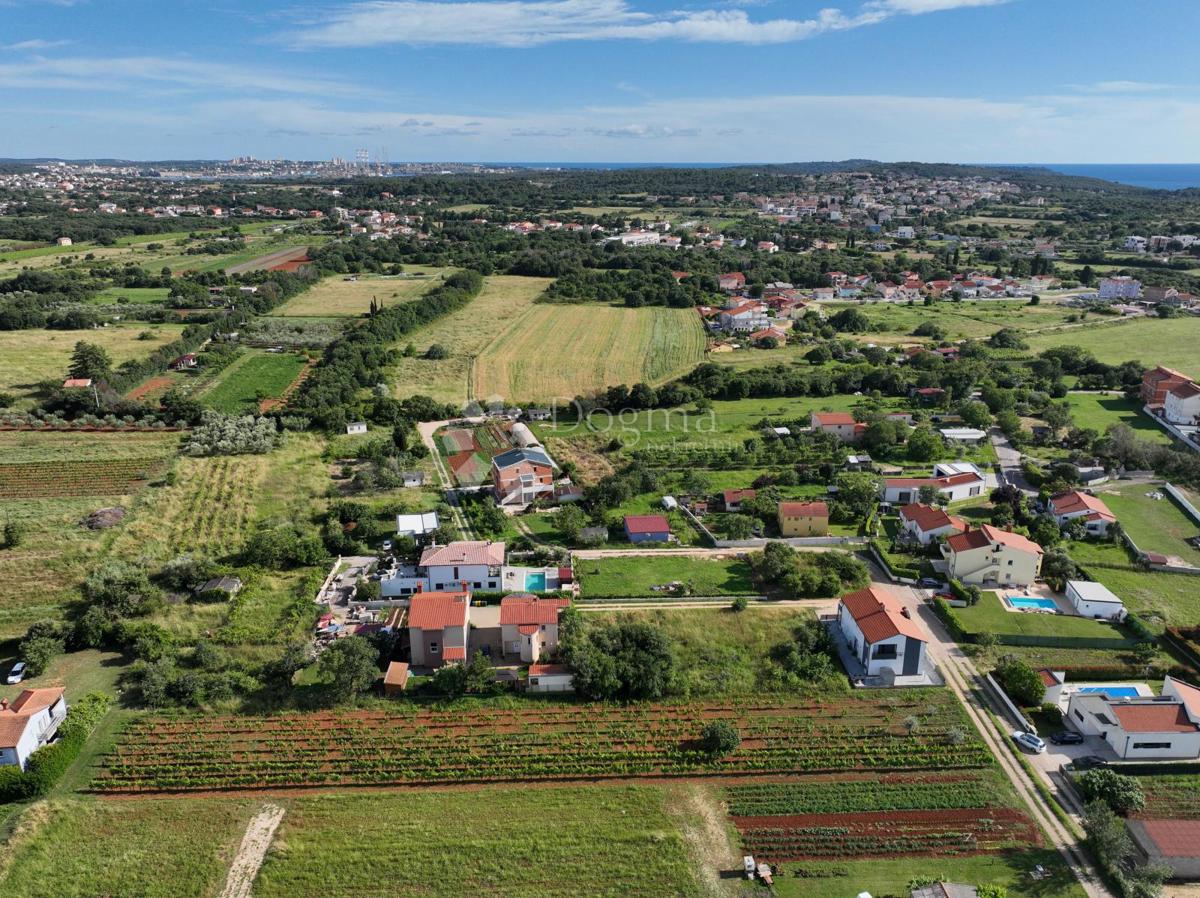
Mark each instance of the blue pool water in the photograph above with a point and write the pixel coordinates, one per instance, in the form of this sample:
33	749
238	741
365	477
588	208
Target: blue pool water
1032	602
1113	691
535	582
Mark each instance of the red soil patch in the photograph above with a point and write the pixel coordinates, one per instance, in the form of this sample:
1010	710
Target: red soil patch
153	385
268	404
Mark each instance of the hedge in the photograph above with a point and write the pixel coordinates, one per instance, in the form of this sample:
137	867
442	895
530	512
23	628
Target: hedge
47	765
943	610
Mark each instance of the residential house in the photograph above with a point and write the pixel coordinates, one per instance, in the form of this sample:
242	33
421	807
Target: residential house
647	528
993	556
731	500
927	523
778	334
841	424
1183	404
746	317
955	487
1158	382
964	436
1073	504
184	362
529	625
803	518
438	625
732	282
1094	600
478	564
880	634
519	476
550	678
1144	727
1120	287
355	427
29	723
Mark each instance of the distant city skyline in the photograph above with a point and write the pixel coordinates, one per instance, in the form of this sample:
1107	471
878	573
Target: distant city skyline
616	81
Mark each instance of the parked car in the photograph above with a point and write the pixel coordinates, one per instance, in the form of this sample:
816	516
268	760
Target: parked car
1067	737
1088	762
1029	741
17	674
930	583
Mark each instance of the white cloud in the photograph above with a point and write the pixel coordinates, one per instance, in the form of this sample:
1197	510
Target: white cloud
153	74
35	44
1124	87
528	23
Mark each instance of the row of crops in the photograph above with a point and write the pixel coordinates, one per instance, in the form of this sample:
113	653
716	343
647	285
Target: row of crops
895	792
1171	797
63	479
532	743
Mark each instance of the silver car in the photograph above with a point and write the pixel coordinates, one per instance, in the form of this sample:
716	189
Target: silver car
1029	741
17	674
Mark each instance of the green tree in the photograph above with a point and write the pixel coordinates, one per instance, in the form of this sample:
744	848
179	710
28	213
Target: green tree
1120	792
627	660
351	665
90	361
14	533
569	521
925	445
720	738
1022	683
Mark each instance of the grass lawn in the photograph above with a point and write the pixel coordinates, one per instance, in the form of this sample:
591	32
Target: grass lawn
960	320
82	848
1170	598
616	842
989	616
30	356
880	876
112	295
1156	525
1153	341
1099	411
336	296
465	334
633	576
80	672
251	377
560	351
31	446
1056	658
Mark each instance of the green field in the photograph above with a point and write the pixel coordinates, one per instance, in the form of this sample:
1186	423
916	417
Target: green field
1152	341
1169	598
1099	411
1156	525
617	842
464	334
989	616
252	377
558	351
147	295
635	575
30	356
336	296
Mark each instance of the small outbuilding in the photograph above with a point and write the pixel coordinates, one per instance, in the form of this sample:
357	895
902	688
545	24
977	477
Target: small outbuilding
395	680
1095	600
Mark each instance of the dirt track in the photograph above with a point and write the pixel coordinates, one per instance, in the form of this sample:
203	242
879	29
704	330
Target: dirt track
252	851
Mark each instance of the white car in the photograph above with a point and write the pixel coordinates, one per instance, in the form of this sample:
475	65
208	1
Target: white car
1029	741
17	674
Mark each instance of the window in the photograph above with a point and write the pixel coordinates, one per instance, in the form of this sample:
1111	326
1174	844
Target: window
1078	716
434	648
491	584
1152	745
1010	562
477	585
884	652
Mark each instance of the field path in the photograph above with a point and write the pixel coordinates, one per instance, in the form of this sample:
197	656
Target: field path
287	254
252	851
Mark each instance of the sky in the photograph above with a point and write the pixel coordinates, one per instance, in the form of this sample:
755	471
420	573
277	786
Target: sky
1052	81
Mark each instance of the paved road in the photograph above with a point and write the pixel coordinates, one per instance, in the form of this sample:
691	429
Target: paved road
962	677
1010	463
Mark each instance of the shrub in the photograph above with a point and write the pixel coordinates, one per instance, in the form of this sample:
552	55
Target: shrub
1123	794
720	738
1022	683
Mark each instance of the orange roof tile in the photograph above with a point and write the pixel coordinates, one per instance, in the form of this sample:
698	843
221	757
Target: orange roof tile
880	615
438	610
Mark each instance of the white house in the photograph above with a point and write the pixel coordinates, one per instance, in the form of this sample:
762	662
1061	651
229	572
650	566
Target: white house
471	564
1094	600
1120	287
926	523
550	678
991	556
416	524
841	424
1182	404
745	317
1143	728
880	634
356	427
1073	504
29	723
955	487
965	436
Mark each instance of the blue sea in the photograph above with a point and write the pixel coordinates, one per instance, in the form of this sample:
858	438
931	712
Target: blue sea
1154	177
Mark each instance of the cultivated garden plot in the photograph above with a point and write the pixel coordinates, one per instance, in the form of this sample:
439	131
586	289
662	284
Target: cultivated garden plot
562	742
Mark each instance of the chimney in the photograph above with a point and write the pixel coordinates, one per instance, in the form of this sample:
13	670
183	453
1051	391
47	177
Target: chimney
463	584
420	586
3	704
906	613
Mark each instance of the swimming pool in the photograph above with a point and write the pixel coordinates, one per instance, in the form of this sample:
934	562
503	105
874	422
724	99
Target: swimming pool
1114	691
535	581
1032	602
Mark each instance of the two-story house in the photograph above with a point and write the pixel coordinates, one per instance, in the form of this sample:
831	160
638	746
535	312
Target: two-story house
841	424
438	624
927	523
880	634
29	723
520	476
529	625
803	519
991	556
1073	504
473	565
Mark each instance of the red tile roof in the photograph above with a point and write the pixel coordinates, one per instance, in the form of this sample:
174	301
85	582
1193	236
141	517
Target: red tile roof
986	535
463	553
15	718
1074	501
948	480
829	419
880	615
733	497
647	523
1174	838
397	674
804	509
928	518
548	670
524	609
438	610
1157	717
454	653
